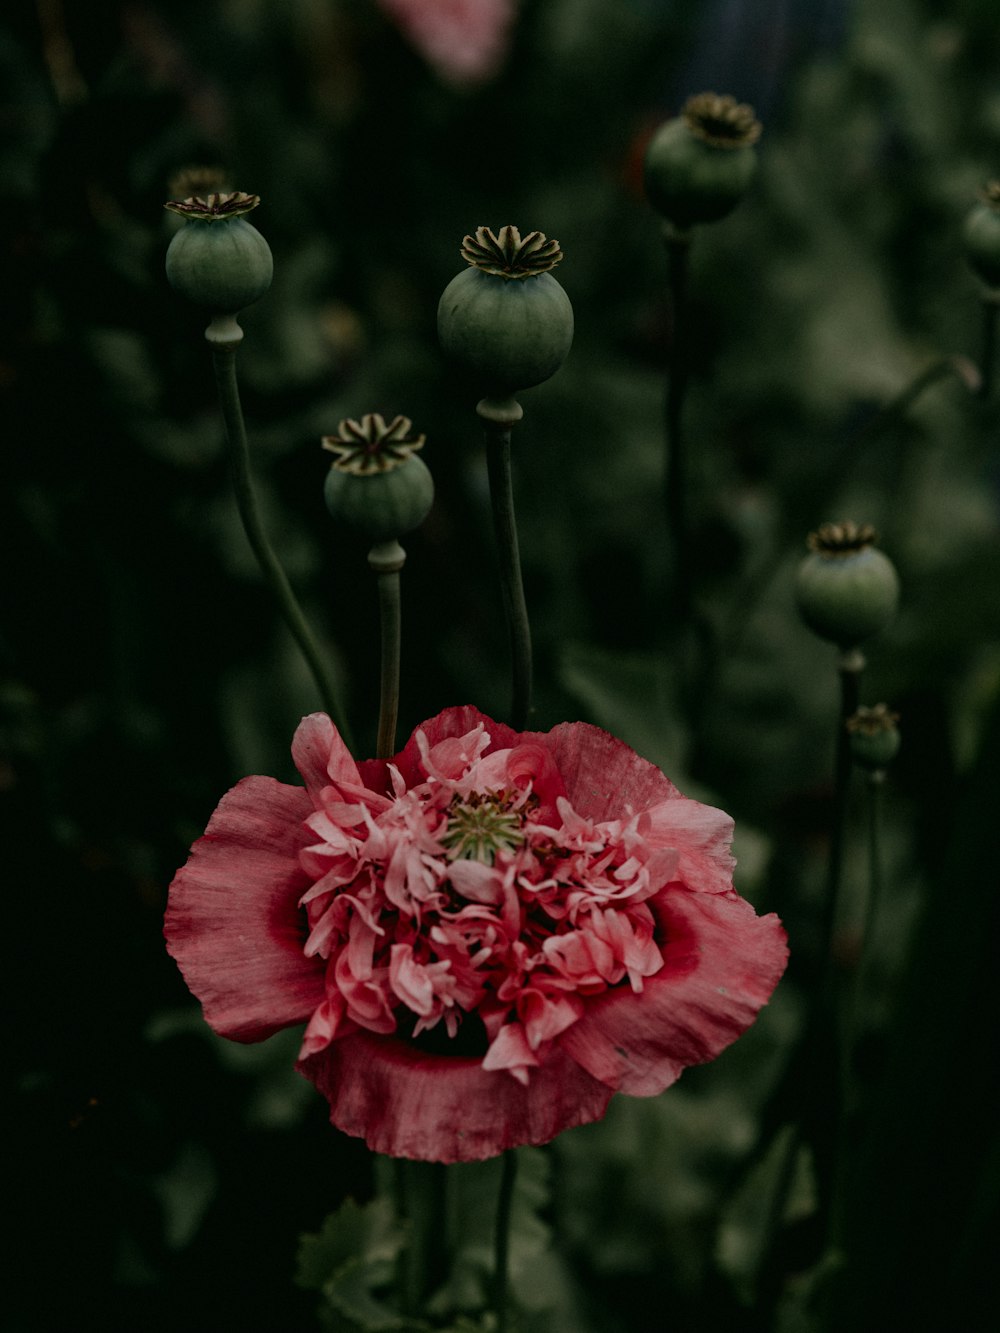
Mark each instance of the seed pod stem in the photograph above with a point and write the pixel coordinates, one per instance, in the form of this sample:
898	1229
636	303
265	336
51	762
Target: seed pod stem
221	336
678	244
849	668
386	559
497	426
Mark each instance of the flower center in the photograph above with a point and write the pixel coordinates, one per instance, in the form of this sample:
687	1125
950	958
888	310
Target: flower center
480	825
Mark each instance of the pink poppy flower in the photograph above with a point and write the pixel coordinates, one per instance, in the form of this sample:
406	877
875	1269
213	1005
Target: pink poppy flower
487	936
465	41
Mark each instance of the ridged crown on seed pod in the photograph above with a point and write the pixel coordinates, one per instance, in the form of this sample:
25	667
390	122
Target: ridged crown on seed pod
721	121
510	255
214	207
369	445
847	538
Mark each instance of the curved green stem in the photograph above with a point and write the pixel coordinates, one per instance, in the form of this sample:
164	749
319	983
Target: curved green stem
224	336
678	245
839	463
386	559
501	1237
498	419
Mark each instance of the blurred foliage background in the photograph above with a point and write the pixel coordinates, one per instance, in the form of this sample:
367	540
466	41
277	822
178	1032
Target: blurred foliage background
163	1176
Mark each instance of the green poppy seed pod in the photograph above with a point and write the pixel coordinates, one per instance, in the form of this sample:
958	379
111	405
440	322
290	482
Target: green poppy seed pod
846	590
377	484
981	236
505	318
699	165
218	260
874	737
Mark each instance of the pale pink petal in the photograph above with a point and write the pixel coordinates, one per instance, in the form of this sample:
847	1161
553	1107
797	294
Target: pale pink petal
233	922
321	756
701	835
478	882
410	980
323	1027
721	963
449	758
405	1103
509	1051
545	1016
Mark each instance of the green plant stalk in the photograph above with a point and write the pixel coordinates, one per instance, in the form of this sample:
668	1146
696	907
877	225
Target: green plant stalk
876	784
501	1238
678	245
421	1203
829	1021
499	417
386	560
844	1152
849	669
224	336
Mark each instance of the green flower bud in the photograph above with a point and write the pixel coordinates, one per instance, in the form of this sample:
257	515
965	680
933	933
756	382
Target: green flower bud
506	319
218	260
846	590
874	737
981	236
377	485
699	165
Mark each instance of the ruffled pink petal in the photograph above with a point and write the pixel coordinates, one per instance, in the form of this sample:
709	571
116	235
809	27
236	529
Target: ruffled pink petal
509	1051
405	1103
321	756
602	775
721	963
453	722
233	922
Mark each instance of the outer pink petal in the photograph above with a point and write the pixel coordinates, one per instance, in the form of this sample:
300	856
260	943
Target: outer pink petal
602	774
233	922
405	1103
321	756
721	963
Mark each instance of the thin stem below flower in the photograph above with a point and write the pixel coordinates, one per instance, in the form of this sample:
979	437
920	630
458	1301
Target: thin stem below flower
224	336
387	559
501	1237
498	420
421	1202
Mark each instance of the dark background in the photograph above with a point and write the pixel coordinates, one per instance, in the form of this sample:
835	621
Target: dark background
162	1176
